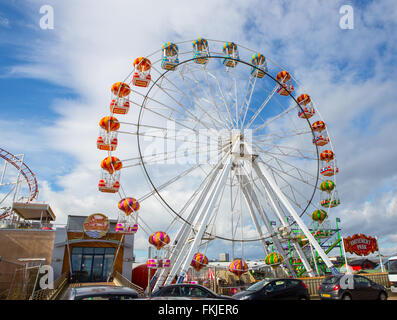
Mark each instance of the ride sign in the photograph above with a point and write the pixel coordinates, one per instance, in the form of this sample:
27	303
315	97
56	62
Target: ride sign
360	244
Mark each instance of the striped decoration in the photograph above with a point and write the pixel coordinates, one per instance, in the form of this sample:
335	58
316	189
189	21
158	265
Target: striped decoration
283	76
142	64
319	215
128	205
318	126
327	186
109	124
238	267
200	44
170	49
111	164
229	48
258	59
327	155
273	259
121	89
199	261
159	239
303	99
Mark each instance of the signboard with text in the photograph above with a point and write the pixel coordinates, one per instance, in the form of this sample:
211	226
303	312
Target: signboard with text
360	244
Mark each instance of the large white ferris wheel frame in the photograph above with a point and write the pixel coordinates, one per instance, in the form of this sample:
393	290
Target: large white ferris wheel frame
181	259
195	225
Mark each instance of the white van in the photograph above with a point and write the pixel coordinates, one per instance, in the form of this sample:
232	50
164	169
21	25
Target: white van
392	269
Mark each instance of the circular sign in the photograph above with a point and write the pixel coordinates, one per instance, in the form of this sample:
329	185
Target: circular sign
96	225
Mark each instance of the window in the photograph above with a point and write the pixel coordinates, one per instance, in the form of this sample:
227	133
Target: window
170	292
194	292
392	266
293	283
362	282
276	285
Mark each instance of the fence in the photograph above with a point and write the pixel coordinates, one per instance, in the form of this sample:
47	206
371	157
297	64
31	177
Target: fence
313	283
17	281
51	294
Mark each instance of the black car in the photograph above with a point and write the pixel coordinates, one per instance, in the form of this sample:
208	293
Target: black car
187	290
351	287
101	293
275	289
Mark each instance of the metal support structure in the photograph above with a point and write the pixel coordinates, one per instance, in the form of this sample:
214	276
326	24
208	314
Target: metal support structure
283	199
266	222
208	211
182	235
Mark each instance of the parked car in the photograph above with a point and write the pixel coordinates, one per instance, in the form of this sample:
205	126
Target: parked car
361	288
275	289
187	290
101	293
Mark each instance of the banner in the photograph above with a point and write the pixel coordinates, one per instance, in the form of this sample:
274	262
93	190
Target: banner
360	244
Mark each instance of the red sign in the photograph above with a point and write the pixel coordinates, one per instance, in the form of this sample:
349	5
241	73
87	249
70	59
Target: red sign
360	244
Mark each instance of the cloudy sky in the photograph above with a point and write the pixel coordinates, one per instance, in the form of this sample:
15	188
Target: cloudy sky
54	84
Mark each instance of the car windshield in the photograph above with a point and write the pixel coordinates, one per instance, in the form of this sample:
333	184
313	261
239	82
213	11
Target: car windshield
257	286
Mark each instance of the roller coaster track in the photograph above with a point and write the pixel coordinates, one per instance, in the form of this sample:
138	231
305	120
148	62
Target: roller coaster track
25	171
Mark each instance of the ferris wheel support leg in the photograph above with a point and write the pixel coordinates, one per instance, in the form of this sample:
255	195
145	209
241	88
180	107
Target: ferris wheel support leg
284	222
182	235
253	217
259	168
269	227
208	212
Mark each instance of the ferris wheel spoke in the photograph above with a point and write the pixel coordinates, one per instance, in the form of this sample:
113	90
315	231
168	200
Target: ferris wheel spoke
232	123
300	178
169	182
211	95
292	190
285	135
262	106
163	160
210	99
188	114
304	154
197	100
268	122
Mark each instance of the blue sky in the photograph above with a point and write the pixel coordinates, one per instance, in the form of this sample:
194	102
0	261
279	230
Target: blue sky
52	84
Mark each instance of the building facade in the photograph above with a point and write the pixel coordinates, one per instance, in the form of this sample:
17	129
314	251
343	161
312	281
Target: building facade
88	258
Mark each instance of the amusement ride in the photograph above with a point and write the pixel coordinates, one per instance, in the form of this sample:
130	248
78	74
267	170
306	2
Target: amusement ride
17	183
234	149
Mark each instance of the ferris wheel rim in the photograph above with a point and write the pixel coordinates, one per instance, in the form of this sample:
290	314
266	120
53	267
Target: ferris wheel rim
148	177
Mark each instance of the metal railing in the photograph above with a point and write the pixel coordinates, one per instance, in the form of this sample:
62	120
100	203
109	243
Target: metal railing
51	294
123	281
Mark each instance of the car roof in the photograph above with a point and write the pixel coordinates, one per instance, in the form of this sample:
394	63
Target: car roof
100	290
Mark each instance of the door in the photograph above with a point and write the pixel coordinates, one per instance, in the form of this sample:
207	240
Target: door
276	290
362	288
97	268
86	268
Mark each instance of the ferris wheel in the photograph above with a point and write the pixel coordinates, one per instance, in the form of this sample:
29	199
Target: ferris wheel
233	148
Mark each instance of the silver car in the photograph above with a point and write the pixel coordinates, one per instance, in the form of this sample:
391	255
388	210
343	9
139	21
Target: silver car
101	293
